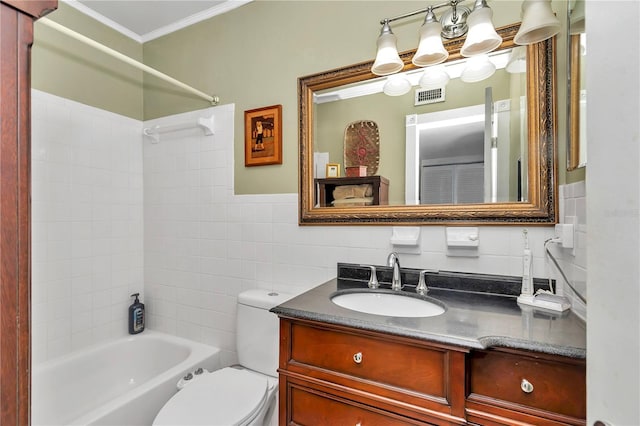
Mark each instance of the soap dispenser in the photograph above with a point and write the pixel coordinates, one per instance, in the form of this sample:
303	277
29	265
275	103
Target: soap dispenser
136	315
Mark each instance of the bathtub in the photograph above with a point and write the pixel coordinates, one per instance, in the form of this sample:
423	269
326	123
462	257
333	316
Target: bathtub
123	382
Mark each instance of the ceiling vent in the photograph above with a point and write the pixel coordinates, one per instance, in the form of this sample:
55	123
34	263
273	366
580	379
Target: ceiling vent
429	96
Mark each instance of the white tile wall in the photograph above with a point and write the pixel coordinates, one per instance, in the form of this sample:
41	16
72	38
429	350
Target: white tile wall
87	224
191	259
573	202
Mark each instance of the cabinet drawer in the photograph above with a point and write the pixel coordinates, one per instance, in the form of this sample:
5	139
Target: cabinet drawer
556	385
390	364
309	407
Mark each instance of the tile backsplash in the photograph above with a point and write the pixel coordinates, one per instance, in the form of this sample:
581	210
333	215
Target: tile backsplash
201	245
573	202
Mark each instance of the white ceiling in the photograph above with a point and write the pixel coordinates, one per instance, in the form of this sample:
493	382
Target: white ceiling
144	20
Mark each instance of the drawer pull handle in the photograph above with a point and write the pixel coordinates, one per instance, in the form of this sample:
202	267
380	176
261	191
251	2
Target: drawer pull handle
526	386
357	358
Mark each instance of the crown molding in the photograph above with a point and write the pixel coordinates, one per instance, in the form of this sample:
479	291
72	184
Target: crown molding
103	19
194	19
167	29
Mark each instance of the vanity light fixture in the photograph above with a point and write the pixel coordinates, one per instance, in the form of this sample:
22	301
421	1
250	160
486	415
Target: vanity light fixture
538	24
482	37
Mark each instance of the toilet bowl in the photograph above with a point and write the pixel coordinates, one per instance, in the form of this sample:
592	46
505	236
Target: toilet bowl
240	395
230	396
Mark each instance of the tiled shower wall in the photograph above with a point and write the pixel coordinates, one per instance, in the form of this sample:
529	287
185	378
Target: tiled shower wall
87	224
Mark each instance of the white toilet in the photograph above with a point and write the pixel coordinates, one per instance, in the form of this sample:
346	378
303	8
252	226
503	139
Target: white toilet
239	395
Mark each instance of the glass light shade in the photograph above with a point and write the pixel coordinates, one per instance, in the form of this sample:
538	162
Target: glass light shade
517	62
434	78
538	22
396	85
482	36
576	17
478	68
387	59
430	50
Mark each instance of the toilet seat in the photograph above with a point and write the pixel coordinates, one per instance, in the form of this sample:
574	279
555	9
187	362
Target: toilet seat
228	396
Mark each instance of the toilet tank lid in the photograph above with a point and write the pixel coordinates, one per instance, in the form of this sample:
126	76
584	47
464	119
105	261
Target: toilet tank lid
265	299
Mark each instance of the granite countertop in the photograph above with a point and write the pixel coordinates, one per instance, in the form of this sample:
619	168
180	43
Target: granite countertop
477	319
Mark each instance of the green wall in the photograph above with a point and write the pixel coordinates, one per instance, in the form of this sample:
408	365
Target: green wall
251	56
70	69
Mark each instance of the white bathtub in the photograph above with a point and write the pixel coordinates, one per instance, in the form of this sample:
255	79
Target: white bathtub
123	382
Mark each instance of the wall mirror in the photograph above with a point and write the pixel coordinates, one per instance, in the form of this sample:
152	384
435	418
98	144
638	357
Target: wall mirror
576	92
334	103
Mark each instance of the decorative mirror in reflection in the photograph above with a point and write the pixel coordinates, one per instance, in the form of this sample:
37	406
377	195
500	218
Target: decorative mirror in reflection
576	91
478	148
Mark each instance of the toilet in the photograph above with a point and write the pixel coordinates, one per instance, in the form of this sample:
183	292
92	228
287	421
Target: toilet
238	395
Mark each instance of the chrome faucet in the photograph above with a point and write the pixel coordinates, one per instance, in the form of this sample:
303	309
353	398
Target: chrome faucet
393	261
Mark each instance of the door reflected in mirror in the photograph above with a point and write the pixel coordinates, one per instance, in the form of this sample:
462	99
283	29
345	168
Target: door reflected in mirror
472	154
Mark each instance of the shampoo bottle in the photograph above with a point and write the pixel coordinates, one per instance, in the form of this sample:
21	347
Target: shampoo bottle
136	315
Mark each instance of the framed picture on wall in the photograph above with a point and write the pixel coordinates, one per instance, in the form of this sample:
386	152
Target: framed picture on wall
263	136
333	170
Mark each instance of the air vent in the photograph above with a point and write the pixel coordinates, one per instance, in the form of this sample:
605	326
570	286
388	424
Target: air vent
429	96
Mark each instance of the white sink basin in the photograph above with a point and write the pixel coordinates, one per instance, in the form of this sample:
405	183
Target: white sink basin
388	304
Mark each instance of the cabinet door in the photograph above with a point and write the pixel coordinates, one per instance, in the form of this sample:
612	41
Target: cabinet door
310	407
510	383
406	376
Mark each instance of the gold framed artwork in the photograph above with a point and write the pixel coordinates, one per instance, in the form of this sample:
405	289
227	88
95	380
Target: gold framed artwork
263	136
333	170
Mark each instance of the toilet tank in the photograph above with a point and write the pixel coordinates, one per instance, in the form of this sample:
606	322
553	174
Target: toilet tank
258	330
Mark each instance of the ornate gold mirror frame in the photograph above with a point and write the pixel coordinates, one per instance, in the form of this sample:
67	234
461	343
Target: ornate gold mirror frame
541	118
576	101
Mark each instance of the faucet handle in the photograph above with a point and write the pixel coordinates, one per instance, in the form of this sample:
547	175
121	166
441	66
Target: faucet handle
422	288
373	279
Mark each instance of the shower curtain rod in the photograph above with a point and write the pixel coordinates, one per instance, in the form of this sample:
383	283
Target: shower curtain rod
48	22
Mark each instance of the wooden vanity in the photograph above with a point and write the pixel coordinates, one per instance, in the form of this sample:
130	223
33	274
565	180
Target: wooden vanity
484	361
337	375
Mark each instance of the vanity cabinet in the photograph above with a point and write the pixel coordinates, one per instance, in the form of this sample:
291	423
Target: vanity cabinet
351	375
332	374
